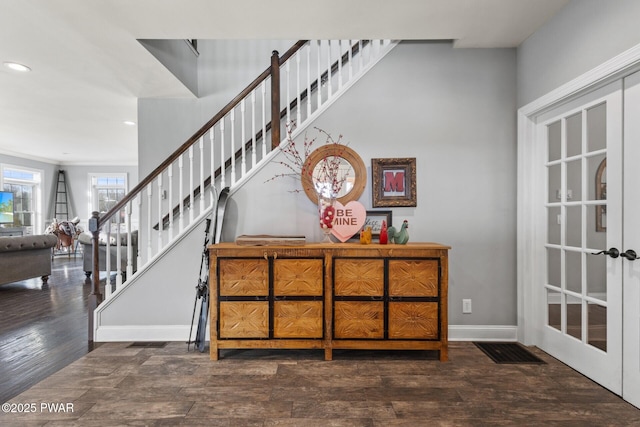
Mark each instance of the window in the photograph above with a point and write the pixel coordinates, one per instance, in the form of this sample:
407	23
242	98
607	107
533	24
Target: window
107	189
26	186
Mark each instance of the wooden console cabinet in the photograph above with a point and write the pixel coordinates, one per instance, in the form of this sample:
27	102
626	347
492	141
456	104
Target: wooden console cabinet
329	296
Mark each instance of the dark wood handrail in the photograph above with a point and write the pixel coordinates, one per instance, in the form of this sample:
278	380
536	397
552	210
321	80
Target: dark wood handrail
196	136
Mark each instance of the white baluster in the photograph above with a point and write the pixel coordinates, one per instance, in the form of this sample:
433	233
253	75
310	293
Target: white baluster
160	224
360	55
298	106
213	165
329	76
288	96
264	120
139	201
243	160
181	193
107	283
319	87
149	204
118	253
222	158
232	123
191	185
308	49
170	176
350	60
340	51
253	129
201	142
129	243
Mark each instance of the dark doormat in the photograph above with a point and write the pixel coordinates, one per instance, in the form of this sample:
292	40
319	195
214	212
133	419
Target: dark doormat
148	344
508	352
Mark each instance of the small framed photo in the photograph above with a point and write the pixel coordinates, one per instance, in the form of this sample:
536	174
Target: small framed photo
374	220
394	182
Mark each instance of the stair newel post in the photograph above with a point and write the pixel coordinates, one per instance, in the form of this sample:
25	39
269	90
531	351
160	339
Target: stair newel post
95	297
275	100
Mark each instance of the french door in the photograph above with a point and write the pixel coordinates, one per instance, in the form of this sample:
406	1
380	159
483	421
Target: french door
589	295
581	292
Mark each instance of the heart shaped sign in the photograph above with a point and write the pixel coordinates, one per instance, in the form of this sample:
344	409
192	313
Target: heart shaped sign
349	220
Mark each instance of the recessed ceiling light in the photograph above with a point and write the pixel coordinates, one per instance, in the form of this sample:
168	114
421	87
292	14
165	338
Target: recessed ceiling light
17	67
129	123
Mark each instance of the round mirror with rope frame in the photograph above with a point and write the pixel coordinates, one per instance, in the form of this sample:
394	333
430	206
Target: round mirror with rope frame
356	179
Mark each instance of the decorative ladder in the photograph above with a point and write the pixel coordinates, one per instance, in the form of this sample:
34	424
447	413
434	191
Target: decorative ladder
61	208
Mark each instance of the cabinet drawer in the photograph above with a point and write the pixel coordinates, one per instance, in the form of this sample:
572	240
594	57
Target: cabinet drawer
297	319
357	319
413	278
297	277
244	319
243	277
359	277
413	320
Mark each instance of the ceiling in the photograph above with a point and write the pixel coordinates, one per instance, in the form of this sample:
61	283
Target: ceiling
88	70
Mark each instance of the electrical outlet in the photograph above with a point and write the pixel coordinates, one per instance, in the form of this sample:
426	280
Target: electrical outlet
466	306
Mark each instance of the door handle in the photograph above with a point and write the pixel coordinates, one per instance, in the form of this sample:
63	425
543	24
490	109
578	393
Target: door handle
612	252
630	254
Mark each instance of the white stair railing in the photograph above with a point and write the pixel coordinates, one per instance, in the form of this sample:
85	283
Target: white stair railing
318	70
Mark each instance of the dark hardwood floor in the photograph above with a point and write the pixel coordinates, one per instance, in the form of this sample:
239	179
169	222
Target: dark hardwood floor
45	361
43	328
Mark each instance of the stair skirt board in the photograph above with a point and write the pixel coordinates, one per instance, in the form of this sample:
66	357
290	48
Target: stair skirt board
126	333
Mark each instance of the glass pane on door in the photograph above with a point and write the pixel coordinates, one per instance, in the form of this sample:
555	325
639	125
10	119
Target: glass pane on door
574	317
554	315
597	324
576	226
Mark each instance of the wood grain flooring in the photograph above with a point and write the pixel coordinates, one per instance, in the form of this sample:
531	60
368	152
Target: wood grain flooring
119	385
43	328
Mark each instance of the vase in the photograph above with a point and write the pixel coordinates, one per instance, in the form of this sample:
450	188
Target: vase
326	214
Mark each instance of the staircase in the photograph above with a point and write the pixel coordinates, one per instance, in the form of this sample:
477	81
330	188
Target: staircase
168	205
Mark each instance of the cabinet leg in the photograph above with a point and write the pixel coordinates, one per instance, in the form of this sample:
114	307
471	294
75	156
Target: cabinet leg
328	354
214	353
444	354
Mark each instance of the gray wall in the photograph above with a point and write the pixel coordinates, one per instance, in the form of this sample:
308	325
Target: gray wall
225	67
580	37
451	109
454	110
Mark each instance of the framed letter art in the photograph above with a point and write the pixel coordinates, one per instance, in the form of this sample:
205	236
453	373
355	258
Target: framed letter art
394	182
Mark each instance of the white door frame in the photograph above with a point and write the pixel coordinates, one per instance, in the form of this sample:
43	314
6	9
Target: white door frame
530	213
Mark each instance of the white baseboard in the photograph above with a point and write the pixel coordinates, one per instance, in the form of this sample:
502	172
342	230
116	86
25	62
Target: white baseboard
144	333
181	332
483	333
